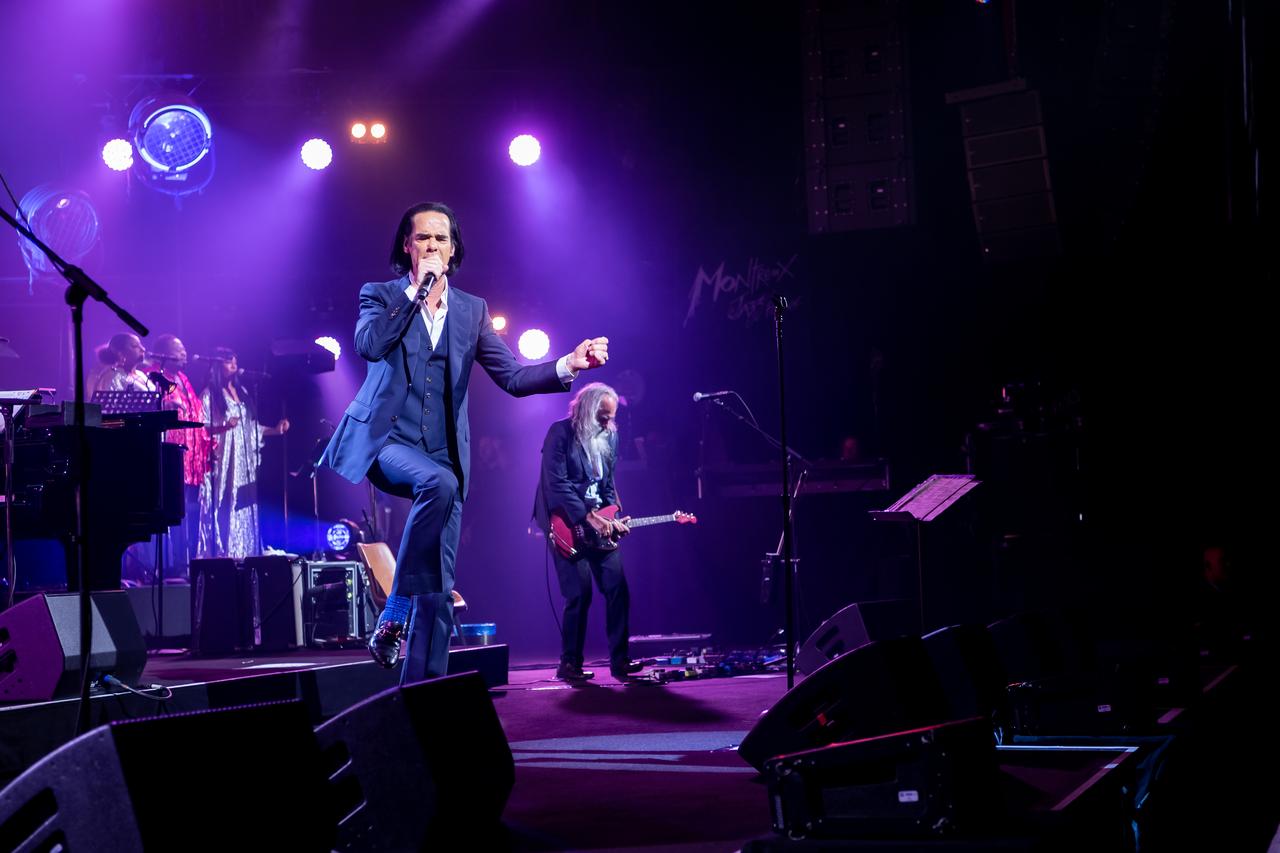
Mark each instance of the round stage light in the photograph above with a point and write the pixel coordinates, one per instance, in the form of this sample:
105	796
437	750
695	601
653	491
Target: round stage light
338	536
118	155
331	344
534	344
174	141
174	137
64	220
342	538
317	154
378	130
499	323
524	150
358	130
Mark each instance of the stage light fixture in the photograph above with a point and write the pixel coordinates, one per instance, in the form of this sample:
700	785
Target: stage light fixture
338	536
499	323
331	344
365	132
64	220
118	155
534	344
342	537
316	154
524	150
174	141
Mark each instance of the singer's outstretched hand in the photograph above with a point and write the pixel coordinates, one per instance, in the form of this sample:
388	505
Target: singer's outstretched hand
593	352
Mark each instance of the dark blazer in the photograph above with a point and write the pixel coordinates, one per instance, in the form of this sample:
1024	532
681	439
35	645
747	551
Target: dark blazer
385	317
566	476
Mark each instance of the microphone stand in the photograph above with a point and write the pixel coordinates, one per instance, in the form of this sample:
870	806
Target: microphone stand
780	306
311	467
786	546
284	469
80	287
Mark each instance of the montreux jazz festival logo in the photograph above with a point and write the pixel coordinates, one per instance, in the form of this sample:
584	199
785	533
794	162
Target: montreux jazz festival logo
745	296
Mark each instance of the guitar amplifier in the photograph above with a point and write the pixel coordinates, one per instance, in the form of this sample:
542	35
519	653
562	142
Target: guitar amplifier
337	607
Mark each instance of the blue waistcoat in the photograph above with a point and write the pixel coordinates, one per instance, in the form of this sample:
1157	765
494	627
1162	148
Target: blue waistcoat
423	418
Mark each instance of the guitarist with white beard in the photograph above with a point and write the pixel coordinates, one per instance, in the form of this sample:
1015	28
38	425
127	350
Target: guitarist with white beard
578	459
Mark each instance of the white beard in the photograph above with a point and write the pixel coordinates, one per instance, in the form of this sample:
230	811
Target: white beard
598	450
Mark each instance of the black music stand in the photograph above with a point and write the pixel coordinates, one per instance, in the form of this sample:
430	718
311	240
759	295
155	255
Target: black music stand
924	503
127	402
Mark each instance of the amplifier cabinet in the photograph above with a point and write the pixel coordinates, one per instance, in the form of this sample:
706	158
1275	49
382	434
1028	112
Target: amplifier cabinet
337	607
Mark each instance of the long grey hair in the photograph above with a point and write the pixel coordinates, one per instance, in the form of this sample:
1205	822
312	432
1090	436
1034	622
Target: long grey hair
594	439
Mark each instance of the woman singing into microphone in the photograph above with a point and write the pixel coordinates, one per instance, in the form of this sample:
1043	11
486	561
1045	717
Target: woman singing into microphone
229	494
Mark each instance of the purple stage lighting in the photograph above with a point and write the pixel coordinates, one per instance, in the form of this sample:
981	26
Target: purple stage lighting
331	344
118	155
534	344
524	150
317	154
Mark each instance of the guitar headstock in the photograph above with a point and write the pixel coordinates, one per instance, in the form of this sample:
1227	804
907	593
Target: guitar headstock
685	517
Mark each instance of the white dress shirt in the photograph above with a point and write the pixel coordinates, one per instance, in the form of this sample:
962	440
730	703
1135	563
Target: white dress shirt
435	327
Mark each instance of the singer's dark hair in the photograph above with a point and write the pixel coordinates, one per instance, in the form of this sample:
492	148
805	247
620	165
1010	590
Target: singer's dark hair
400	262
110	352
217	381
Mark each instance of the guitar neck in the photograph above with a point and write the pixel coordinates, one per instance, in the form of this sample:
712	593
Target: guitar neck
650	519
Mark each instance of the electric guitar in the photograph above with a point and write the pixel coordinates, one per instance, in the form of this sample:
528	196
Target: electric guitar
570	539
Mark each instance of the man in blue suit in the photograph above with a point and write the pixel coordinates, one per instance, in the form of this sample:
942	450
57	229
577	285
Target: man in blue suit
407	429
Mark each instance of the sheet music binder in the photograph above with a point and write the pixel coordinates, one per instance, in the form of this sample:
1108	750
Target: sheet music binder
929	499
127	402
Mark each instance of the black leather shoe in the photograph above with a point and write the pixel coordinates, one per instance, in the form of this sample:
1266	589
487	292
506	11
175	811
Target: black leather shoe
384	645
573	673
622	673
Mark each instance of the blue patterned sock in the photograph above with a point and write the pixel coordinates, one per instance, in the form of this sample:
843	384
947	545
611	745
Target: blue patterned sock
397	609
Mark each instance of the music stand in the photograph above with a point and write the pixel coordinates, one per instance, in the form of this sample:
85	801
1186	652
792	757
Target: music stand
127	402
924	503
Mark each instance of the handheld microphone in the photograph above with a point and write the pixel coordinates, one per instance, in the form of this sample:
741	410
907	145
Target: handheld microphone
698	395
251	374
159	355
206	358
428	281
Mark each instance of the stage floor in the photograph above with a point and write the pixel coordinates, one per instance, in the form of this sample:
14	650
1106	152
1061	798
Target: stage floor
605	765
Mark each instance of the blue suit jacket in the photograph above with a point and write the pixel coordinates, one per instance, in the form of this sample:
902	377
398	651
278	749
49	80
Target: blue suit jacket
385	316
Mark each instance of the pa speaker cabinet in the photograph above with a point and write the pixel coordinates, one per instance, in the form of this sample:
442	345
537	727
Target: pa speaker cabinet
969	670
275	597
453	769
857	625
218	608
884	686
40	645
929	782
246	778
